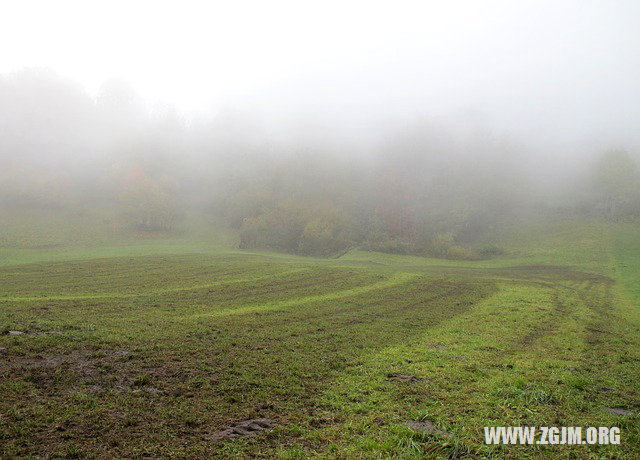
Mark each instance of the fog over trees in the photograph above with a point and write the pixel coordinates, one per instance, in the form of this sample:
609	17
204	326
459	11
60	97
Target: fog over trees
426	186
422	129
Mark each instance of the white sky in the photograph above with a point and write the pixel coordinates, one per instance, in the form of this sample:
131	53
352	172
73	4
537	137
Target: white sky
528	66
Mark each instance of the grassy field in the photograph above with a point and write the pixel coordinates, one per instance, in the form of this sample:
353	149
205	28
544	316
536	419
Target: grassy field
152	349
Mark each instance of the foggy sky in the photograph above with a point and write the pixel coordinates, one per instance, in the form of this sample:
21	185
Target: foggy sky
559	76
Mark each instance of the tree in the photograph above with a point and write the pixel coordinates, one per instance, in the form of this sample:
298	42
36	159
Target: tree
329	233
146	205
616	182
278	228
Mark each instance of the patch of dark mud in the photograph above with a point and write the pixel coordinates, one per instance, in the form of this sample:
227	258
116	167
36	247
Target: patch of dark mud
93	371
246	428
594	330
619	411
149	390
33	333
96	389
403	378
122	354
48	362
491	349
426	426
318	422
379	421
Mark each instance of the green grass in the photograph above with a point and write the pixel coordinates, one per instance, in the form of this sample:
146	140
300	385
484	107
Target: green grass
625	251
150	348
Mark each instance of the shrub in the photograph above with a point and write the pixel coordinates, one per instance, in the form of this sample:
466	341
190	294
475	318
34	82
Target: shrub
330	233
390	246
278	229
490	251
459	253
440	244
146	205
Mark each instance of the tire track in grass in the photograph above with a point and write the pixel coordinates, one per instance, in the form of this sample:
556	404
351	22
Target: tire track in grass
155	291
406	308
364	392
497	365
553	319
252	378
393	280
100	277
147	312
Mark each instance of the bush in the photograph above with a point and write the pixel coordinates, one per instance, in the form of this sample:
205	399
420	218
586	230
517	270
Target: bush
330	232
459	253
321	237
391	246
278	229
490	251
441	243
146	205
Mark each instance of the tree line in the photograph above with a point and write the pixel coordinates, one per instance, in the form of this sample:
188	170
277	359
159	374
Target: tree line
422	189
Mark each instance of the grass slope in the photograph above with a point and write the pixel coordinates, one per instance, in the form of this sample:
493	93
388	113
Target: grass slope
150	350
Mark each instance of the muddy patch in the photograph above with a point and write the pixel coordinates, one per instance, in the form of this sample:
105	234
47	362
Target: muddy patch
246	428
32	333
426	426
403	378
619	411
95	371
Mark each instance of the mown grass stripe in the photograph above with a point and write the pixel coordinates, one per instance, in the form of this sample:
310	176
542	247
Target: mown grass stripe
152	292
395	279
